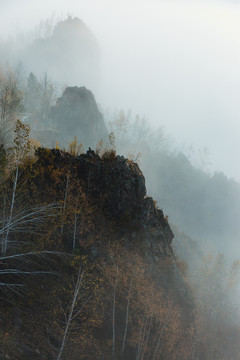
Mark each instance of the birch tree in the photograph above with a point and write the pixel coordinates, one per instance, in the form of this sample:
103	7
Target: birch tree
79	312
70	315
11	107
216	292
20	149
40	95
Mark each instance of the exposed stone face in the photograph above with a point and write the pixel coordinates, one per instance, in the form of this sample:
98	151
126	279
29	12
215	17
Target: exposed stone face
115	213
119	185
122	184
118	180
76	114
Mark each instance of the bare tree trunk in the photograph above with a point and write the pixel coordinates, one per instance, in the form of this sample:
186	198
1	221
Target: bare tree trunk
74	231
11	213
113	313
148	333
3	220
141	336
70	315
143	342
127	314
149	352
193	351
75	226
159	339
64	204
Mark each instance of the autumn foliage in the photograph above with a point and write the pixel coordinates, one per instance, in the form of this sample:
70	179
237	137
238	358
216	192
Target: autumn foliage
100	292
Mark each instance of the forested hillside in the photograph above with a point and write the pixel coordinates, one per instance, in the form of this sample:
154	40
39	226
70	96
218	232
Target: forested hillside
87	268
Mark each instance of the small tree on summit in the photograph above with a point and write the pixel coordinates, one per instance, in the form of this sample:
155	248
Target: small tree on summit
11	107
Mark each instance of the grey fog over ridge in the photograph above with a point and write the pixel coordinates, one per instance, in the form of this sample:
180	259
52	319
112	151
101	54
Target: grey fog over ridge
175	62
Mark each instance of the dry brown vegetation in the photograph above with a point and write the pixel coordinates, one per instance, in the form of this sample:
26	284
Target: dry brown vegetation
73	286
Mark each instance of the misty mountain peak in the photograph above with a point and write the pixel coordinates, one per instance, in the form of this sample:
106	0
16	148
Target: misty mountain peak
73	46
70	27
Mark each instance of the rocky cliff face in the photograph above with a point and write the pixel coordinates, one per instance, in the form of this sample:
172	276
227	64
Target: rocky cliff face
103	215
76	114
117	185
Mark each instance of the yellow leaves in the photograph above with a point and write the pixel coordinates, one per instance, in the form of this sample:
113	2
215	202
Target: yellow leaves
100	148
21	139
21	150
134	157
74	148
109	343
126	275
109	155
7	341
79	260
35	143
130	164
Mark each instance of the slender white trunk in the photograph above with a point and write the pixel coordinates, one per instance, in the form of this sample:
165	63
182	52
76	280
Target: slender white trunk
113	313
70	315
148	333
3	220
127	314
11	212
141	336
159	340
64	204
75	227
74	230
150	351
194	345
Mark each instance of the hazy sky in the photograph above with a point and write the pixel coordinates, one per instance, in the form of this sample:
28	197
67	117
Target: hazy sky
176	62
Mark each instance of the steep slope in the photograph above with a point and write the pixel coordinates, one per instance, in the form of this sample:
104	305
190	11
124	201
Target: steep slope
133	294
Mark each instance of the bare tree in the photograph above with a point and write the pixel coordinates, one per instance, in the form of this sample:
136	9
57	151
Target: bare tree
19	151
113	313
11	107
64	203
40	95
127	314
16	267
74	309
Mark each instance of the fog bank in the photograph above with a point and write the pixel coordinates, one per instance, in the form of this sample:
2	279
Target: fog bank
177	63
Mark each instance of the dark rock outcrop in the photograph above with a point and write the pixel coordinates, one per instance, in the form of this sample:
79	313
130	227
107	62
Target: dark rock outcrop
119	186
116	226
76	114
122	185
